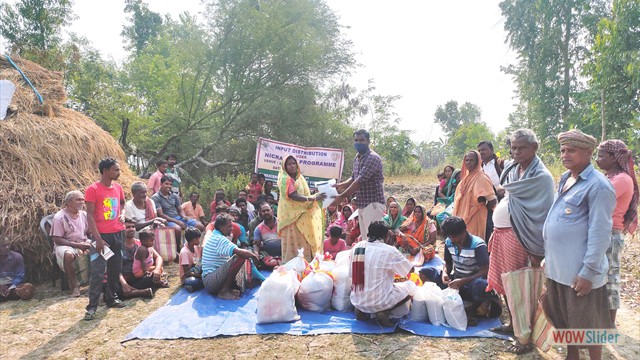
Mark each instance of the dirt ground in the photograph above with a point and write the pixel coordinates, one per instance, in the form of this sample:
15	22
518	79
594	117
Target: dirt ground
51	326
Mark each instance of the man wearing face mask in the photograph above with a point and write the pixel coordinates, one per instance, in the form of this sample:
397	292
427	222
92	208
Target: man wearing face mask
366	183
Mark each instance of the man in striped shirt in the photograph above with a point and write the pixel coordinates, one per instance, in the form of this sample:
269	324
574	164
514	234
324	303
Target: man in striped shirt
222	260
373	265
467	264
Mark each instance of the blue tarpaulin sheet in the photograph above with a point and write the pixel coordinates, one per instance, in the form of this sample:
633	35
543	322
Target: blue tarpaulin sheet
200	315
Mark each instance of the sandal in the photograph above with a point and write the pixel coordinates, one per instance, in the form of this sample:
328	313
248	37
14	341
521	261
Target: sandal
502	329
90	315
519	349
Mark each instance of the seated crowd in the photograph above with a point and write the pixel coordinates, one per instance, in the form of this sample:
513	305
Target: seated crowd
491	213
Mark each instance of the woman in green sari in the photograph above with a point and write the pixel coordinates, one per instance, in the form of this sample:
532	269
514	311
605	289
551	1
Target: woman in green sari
447	194
394	218
443	207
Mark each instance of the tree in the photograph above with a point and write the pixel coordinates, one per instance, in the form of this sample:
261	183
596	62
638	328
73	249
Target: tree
207	92
97	88
551	39
467	137
143	25
451	117
383	119
614	72
33	29
431	154
344	102
393	144
399	153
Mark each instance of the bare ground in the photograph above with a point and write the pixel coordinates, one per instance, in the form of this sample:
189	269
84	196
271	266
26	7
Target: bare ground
51	326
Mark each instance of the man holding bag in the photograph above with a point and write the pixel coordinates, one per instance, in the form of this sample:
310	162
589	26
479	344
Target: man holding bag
517	237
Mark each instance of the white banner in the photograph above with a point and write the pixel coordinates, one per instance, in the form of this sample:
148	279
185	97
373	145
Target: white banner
316	164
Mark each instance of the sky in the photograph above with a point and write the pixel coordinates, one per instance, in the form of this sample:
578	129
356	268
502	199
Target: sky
427	52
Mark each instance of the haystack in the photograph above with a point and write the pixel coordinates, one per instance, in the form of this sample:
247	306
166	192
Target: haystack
44	157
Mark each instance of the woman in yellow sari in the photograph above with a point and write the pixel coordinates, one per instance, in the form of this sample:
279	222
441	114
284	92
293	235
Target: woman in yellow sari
474	195
299	213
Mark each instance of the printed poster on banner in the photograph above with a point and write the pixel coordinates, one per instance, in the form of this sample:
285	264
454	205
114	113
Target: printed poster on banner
316	163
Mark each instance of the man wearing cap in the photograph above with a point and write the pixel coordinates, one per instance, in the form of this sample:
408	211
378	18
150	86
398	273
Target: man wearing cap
577	233
617	161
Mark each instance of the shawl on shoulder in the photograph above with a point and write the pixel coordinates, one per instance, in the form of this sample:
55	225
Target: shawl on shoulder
530	198
394	223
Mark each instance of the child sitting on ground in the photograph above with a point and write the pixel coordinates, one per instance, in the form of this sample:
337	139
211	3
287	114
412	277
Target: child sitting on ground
143	265
190	264
334	244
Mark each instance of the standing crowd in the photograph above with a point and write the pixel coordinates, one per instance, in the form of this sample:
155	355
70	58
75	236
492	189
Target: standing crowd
496	216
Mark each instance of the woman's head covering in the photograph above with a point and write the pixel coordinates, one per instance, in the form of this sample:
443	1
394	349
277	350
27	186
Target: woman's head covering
284	167
449	188
405	209
624	158
424	213
464	172
474	183
345	219
399	219
417	230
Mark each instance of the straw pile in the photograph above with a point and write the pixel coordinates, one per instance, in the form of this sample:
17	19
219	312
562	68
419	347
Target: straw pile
48	83
43	157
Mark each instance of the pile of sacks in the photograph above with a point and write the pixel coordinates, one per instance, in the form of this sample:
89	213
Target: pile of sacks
316	286
440	307
325	283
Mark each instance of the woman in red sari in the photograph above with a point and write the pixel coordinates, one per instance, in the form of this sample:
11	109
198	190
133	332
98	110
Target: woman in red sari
416	233
352	227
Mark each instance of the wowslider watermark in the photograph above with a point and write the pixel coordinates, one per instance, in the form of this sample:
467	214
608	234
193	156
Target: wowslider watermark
586	337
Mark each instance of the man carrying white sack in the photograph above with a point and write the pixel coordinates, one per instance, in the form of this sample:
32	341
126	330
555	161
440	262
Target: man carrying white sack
373	265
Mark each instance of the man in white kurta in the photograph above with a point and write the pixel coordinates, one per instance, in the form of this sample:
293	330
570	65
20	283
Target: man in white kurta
378	294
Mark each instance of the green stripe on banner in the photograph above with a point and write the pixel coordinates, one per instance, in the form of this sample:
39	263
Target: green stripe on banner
273	176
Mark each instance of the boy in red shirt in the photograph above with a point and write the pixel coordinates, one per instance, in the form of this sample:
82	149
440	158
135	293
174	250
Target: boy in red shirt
105	200
334	244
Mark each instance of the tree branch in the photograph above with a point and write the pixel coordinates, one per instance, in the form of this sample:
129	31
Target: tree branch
187	175
215	164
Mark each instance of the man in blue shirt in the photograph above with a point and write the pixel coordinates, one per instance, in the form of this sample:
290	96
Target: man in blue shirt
168	207
576	234
466	267
222	260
